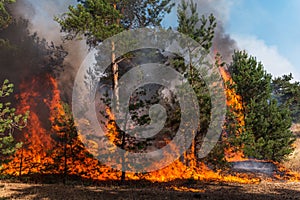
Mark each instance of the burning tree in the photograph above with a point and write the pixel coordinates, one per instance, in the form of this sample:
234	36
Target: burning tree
98	20
35	61
201	29
74	23
68	147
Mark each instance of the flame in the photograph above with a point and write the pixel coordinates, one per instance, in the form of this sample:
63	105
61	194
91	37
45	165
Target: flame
35	138
40	151
178	170
234	104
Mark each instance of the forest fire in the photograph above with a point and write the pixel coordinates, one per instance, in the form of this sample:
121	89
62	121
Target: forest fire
54	147
49	148
239	161
36	140
100	101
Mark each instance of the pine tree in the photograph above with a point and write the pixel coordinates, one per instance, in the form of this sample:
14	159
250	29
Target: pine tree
288	93
69	150
266	133
97	20
199	29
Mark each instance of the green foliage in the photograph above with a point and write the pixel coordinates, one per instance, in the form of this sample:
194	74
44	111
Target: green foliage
5	17
65	125
143	13
199	29
252	81
266	133
288	93
9	120
93	19
270	135
97	20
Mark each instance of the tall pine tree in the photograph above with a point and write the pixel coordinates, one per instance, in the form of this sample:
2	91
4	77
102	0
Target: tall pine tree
267	132
200	29
97	20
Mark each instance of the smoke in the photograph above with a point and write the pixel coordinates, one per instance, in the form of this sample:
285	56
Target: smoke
255	167
40	15
24	55
222	42
31	48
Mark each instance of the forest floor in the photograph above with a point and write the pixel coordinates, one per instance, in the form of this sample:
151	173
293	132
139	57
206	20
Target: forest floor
159	191
182	189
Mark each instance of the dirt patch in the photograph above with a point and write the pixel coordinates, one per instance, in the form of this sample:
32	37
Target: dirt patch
160	191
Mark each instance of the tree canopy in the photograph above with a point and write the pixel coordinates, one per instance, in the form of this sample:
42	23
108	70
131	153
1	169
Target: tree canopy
96	20
266	132
288	93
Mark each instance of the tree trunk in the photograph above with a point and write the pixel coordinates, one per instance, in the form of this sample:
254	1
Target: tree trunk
115	71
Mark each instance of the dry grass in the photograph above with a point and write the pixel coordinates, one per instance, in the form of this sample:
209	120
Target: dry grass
296	129
294	160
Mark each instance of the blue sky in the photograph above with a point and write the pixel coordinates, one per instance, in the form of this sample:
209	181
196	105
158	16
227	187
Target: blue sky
268	30
274	23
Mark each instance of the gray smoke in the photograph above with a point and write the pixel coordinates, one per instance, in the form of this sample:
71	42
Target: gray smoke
222	42
254	166
41	15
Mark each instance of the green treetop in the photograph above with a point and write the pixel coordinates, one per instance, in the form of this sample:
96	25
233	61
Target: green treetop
267	132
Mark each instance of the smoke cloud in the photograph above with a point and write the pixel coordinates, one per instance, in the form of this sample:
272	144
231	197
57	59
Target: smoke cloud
40	15
222	43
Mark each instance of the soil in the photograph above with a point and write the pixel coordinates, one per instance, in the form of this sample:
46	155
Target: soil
147	191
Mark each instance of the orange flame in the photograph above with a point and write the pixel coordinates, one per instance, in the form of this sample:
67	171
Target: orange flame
40	149
234	104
